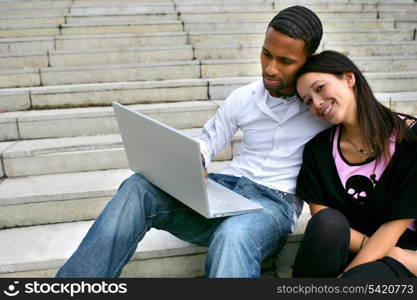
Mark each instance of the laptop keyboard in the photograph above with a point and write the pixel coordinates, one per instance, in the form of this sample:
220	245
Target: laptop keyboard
215	202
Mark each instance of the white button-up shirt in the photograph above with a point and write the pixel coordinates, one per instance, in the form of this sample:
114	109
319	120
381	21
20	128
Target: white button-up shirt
273	139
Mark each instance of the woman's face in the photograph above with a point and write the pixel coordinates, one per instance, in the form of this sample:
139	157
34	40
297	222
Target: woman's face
328	96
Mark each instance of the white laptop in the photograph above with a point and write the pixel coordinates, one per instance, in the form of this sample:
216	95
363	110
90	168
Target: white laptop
171	160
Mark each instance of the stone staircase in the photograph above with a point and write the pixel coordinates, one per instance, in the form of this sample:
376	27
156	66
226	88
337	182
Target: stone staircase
62	63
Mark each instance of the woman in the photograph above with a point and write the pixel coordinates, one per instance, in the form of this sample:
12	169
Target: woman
359	178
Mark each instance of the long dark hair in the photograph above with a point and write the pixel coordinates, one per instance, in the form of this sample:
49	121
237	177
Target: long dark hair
376	121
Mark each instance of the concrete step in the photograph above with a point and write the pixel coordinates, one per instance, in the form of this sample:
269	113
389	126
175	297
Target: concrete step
231	6
155	71
100	73
361	38
90	29
98	120
63	197
42	250
404	14
102	94
328	24
59	58
251	67
132	17
238	14
121	9
128	55
407	24
32	44
34	11
25	21
257	37
77	154
212	52
34	3
372	48
8	21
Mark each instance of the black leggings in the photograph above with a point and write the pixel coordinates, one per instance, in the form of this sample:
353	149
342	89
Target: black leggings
324	252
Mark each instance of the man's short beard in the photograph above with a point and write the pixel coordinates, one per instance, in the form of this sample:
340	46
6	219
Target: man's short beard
276	90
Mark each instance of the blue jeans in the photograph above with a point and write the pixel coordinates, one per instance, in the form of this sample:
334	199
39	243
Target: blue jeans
236	245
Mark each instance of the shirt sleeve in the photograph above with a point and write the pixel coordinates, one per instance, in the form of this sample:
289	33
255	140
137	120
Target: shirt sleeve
220	129
403	203
309	187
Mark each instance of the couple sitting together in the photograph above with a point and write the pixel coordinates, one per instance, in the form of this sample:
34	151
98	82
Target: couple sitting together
312	131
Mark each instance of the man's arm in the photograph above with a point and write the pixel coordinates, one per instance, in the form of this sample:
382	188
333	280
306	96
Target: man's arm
219	130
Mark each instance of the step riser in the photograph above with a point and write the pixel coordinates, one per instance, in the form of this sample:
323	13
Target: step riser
29	32
96	58
61	11
29	4
90	30
215	40
91	42
195	17
27	46
254	69
124	57
188	70
215	26
112	29
130	73
106	125
187	266
106	57
393	85
69	205
80	161
53	212
129	41
117	10
121	19
258	38
29	22
406	107
15	101
189	27
121	75
124	96
407	25
378	86
26	62
359	50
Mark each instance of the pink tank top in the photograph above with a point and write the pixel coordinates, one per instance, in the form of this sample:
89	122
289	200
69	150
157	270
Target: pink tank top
360	179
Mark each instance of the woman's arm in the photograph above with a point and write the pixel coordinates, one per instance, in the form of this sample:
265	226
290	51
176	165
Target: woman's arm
315	208
380	244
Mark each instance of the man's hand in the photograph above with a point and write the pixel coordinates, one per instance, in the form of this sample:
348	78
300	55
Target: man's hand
205	173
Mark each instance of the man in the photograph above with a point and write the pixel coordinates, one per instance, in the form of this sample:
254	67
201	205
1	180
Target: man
275	128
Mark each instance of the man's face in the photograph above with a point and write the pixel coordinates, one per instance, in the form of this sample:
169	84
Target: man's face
281	57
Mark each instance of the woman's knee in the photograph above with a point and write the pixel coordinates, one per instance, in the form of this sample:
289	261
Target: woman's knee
329	219
327	224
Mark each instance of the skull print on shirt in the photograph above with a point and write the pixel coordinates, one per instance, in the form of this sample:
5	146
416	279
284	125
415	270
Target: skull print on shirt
359	188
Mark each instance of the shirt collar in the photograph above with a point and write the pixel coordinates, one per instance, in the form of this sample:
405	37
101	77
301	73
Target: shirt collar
293	105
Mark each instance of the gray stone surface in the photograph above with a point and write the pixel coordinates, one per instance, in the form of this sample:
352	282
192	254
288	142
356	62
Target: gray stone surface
14	99
3	147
